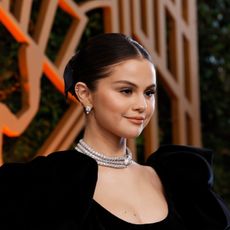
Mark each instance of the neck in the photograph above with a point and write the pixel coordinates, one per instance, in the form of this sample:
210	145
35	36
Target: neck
104	142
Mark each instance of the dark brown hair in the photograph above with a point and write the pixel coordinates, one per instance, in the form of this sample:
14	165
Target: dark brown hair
96	58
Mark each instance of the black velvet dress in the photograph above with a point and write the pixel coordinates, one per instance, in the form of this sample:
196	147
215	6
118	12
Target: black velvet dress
56	192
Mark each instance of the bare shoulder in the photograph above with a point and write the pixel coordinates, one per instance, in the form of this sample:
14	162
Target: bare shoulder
148	173
145	170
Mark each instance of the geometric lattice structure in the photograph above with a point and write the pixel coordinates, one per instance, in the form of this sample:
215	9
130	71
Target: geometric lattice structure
167	28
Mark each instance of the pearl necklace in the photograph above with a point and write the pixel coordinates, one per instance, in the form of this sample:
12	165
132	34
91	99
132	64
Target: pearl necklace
101	159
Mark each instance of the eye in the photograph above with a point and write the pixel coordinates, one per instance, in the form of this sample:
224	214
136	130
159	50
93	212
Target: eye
126	91
150	93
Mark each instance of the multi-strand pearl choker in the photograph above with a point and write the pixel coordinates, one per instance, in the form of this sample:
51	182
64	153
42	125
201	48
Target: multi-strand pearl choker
113	162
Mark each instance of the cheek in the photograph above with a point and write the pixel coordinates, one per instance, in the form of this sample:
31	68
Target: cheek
150	109
153	105
110	103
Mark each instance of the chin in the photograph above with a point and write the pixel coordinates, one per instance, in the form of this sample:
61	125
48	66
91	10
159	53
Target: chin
132	135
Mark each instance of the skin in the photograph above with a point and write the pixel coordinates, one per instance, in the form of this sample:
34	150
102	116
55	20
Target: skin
123	103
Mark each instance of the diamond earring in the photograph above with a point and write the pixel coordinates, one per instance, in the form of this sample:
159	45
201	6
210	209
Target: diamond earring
87	109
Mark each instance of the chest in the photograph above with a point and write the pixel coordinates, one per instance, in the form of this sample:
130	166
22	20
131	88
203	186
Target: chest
130	197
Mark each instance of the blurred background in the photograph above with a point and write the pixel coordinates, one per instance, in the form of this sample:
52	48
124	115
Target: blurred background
213	44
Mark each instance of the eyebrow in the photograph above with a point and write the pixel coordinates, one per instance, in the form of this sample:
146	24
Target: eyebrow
132	84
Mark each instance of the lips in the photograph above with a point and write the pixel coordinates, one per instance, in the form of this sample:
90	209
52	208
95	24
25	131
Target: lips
136	120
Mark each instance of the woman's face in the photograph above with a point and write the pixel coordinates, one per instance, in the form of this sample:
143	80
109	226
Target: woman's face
123	102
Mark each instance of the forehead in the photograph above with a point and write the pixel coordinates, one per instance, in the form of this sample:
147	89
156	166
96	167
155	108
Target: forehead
138	71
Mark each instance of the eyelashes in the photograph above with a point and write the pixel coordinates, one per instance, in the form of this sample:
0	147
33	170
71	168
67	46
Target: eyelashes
126	91
150	92
129	91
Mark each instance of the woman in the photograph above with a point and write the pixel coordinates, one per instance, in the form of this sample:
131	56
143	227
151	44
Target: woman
98	185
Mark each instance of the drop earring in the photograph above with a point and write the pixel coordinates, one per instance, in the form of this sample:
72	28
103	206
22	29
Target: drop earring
87	109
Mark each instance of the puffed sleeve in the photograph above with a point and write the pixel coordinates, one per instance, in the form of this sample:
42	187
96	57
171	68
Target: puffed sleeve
47	192
187	175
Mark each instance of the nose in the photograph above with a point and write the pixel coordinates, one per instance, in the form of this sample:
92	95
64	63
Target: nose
140	103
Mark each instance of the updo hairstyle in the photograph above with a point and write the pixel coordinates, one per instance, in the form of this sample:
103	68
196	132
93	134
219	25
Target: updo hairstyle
95	59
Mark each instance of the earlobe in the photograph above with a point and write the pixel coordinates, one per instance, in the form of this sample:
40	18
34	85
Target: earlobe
83	93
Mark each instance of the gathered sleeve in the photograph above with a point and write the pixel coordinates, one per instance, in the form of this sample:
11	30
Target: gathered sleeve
187	176
47	191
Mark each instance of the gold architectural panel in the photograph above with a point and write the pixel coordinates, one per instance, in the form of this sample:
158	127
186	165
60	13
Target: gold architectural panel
166	28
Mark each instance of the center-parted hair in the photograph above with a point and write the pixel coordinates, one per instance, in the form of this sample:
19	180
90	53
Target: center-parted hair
96	58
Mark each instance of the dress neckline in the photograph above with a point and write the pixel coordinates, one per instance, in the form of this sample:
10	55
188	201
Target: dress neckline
115	218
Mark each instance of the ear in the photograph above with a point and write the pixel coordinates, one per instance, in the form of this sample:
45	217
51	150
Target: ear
83	93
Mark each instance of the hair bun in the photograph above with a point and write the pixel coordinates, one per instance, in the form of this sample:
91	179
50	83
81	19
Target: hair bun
68	75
